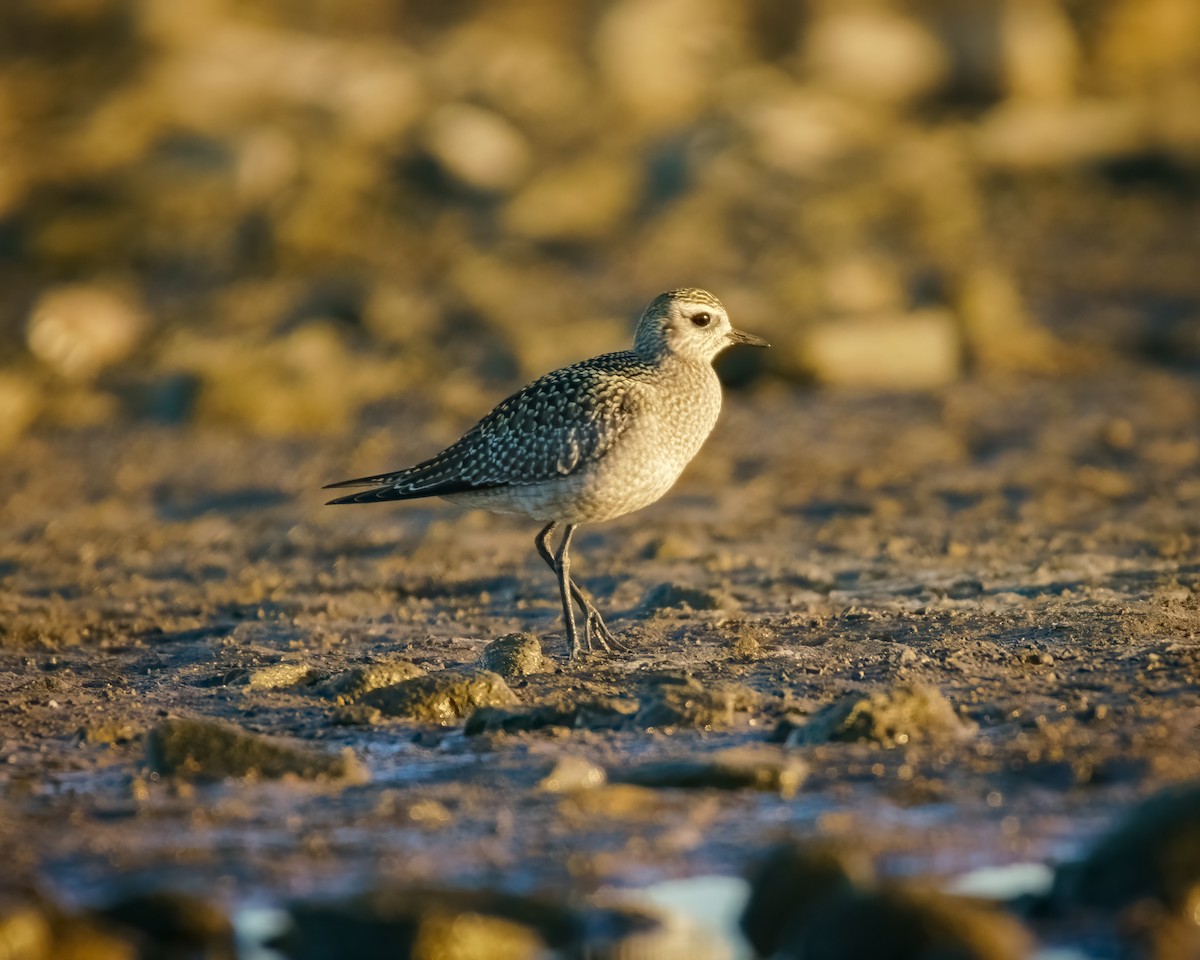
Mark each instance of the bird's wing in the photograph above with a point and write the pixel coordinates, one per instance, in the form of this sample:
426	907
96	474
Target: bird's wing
557	425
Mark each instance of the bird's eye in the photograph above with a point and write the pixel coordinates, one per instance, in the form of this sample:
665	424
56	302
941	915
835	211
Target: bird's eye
702	319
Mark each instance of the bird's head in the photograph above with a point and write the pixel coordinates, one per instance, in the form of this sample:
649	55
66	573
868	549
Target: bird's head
688	323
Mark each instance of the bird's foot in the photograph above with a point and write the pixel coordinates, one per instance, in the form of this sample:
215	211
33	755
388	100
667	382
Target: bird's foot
594	626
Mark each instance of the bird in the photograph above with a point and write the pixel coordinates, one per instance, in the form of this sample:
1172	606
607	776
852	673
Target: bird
586	443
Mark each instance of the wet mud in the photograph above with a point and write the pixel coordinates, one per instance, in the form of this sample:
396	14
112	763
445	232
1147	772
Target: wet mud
946	631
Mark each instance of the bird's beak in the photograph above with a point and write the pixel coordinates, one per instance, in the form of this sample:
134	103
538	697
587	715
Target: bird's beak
749	339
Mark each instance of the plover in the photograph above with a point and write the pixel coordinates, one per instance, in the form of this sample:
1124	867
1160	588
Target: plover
589	442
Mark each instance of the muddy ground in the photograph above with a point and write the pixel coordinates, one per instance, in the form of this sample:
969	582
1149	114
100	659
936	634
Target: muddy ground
1028	550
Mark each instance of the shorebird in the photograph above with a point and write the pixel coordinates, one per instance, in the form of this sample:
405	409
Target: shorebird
589	442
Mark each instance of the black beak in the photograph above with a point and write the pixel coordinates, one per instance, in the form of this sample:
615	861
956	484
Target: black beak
749	339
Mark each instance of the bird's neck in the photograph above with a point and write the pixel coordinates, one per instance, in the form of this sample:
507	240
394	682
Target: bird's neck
675	366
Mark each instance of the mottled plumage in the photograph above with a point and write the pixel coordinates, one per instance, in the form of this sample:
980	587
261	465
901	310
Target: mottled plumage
590	441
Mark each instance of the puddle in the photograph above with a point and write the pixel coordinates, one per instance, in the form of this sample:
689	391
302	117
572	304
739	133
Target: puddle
255	927
710	904
1003	882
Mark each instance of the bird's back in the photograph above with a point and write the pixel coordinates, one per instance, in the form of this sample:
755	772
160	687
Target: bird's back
556	426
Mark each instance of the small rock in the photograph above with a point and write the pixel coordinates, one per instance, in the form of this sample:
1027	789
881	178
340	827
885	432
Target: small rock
740	768
442	697
514	655
350	685
671	596
905	714
211	750
685	702
569	774
278	675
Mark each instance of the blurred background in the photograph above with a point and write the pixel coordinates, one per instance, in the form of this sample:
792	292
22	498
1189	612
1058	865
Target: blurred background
283	215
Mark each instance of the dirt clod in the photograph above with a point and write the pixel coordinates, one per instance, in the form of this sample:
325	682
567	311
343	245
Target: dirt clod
350	685
686	702
674	596
442	697
208	750
513	655
903	714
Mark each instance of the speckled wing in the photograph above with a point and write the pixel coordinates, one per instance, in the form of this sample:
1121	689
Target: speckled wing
559	424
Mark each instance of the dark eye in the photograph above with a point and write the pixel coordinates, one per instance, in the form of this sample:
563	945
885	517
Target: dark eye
702	319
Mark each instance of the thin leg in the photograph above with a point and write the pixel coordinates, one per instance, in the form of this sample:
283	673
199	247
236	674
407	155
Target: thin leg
562	566
594	623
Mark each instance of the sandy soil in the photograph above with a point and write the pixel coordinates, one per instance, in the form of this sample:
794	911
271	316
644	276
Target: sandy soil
1030	550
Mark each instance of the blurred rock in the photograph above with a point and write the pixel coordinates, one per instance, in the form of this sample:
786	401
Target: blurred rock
1147	41
1001	336
33	928
303	382
419	924
581	201
602	714
211	750
873	52
864	284
514	655
1041	50
901	715
686	702
427	923
568	774
1031	135
1152	854
522	58
442	697
915	351
176	924
804	131
478	147
907	923
24	930
20	401
819	902
657	56
81	329
738	768
790	885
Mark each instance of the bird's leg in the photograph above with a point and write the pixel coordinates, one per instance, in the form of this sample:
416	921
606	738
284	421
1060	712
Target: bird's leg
594	623
562	566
